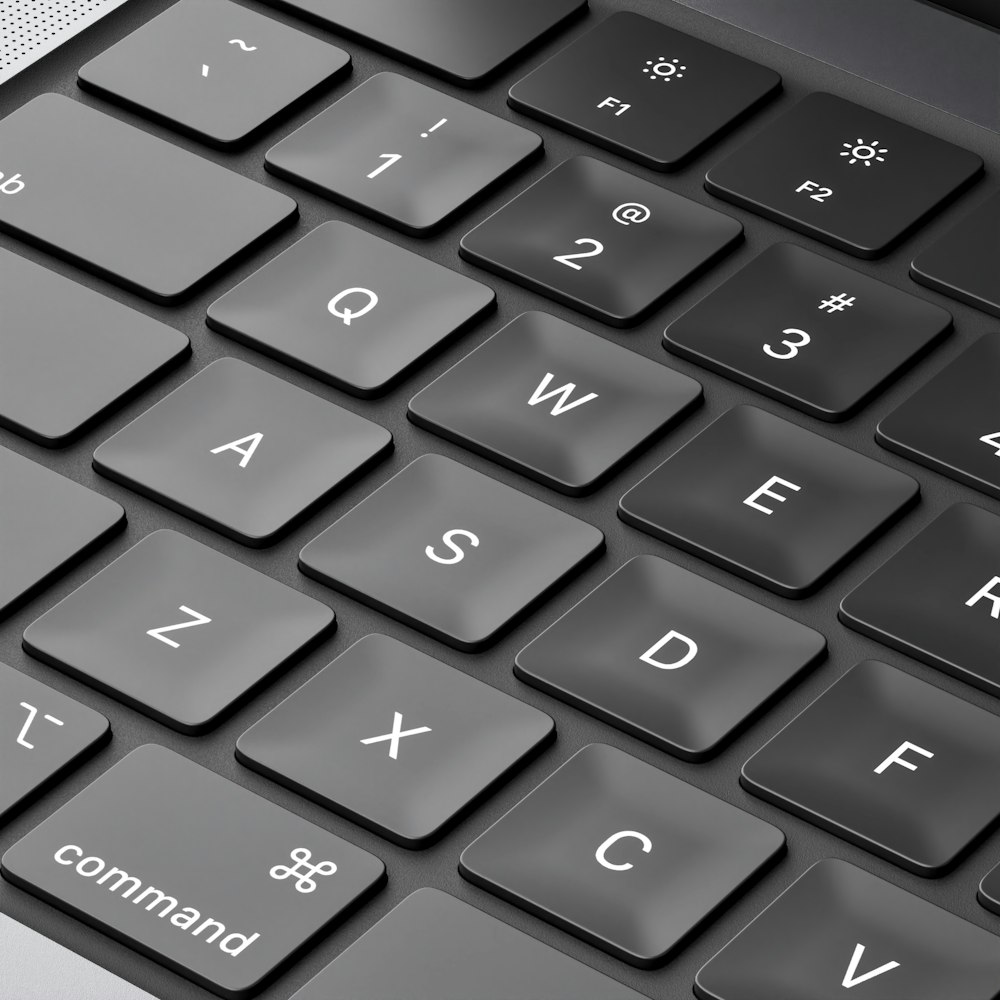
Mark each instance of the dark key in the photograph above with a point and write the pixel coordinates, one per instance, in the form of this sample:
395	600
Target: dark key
47	524
952	424
464	41
395	740
605	242
178	630
962	263
837	928
43	735
621	854
598	88
768	500
214	70
32	965
670	657
555	403
888	762
989	890
806	330
134	209
193	871
70	355
844	174
351	309
938	598
405	154
242	451
451	552
433	946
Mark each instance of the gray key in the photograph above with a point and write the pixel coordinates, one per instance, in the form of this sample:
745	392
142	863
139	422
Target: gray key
178	630
433	946
34	968
43	734
47	523
213	881
130	207
395	740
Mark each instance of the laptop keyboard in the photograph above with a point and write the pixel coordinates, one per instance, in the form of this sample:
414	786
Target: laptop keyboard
464	536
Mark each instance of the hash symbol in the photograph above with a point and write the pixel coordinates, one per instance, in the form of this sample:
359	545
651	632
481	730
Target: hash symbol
837	303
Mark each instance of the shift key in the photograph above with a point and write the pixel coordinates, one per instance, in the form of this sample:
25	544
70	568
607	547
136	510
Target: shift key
188	868
118	201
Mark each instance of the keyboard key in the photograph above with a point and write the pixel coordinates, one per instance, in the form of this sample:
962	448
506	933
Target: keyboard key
242	451
597	88
451	552
837	928
249	69
938	598
134	209
395	740
844	174
914	783
653	646
555	403
70	355
625	856
443	153
464	41
808	331
951	425
433	946
178	631
193	871
47	524
989	890
768	500
960	264
350	309
31	966
44	735
605	242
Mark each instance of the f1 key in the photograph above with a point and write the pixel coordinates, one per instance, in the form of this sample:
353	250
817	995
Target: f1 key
213	881
134	209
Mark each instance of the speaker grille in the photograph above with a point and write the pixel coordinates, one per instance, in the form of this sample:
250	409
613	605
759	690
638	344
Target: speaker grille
31	28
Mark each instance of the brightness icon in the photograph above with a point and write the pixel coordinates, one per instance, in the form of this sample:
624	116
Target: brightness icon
664	69
864	152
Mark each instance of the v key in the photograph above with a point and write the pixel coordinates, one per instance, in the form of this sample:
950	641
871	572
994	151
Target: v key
853	979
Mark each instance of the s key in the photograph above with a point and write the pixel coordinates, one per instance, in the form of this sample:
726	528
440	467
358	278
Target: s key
134	209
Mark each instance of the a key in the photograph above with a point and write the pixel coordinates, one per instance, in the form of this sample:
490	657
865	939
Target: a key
465	41
193	871
768	500
653	646
133	208
554	402
808	331
839	929
960	264
621	854
395	740
48	523
43	734
70	355
938	598
242	451
214	70
351	309
952	424
403	153
844	174
889	762
432	946
451	552
178	630
605	242
598	88
32	966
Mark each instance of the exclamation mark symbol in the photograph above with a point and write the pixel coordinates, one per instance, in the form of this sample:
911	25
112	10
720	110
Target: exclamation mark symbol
204	69
423	135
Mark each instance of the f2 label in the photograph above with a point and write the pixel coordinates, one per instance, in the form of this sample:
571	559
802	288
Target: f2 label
815	191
